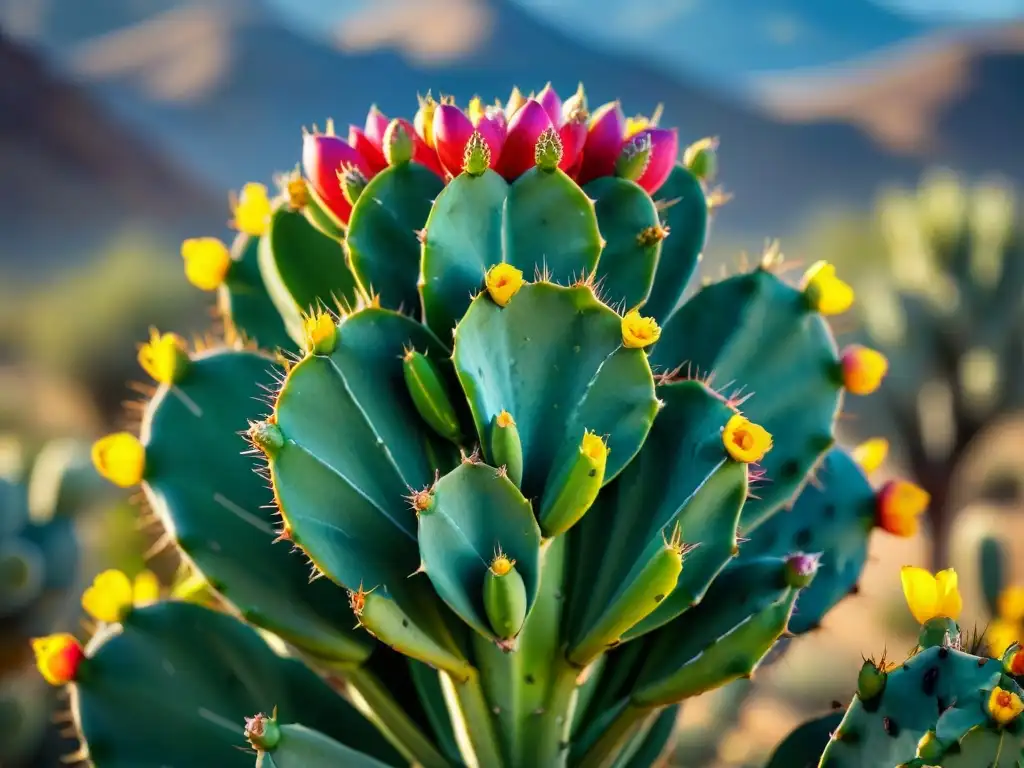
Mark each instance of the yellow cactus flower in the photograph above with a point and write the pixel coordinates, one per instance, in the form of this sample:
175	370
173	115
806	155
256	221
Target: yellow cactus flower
252	210
929	596
321	333
120	458
112	594
58	657
505	420
1004	706
594	448
1001	634
827	293
638	331
871	454
744	440
298	192
164	356
501	564
503	282
1010	604
863	369
900	506
207	261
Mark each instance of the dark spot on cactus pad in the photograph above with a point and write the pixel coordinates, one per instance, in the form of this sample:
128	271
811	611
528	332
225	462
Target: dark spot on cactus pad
803	537
847	737
929	681
829	511
982	662
658	598
905	667
530	679
891	727
942	705
855	589
405	622
789	469
593	472
943	652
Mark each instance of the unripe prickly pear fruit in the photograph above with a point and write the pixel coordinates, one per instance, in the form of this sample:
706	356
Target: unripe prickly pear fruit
429	394
576	488
506	446
634	158
870	680
548	153
701	158
504	597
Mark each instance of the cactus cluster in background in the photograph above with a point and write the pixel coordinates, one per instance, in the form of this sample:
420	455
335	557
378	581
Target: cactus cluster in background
39	583
522	502
947	296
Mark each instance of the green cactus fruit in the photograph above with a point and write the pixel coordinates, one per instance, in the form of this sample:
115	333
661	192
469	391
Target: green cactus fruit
871	680
744	612
635	600
507	447
939	683
430	395
203	488
574	489
938	632
505	600
245	302
683	476
834	517
465	518
302	269
177	668
541	222
787	386
633	238
382	243
296	746
682	205
592	382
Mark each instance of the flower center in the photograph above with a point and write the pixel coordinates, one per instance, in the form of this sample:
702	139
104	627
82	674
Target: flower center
1003	699
743	439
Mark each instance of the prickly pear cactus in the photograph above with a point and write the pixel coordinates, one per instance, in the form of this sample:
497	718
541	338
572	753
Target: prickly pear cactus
942	706
488	439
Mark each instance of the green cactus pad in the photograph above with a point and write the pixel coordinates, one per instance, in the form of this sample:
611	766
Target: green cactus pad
204	489
551	224
245	302
464	239
172	686
628	219
683	206
474	513
302	268
756	336
682	475
554	359
835	517
302	747
355	447
382	243
542	220
804	745
723	638
886	729
652	745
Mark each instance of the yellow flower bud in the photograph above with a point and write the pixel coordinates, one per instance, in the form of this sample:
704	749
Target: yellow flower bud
744	440
871	454
120	458
503	282
207	261
863	369
930	597
638	331
164	357
900	505
827	293
58	657
252	210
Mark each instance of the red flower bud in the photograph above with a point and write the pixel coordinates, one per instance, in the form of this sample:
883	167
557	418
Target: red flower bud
518	154
573	134
664	150
452	130
376	124
604	142
323	156
374	157
548	99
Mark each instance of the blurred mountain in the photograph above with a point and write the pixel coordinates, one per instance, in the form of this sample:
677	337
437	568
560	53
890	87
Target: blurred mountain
224	85
72	174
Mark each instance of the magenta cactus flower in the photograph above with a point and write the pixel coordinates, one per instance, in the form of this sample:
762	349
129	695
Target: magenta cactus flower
323	156
664	151
552	104
604	142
